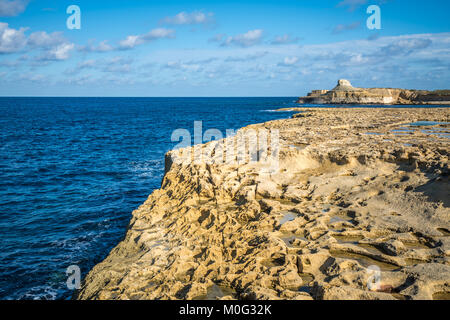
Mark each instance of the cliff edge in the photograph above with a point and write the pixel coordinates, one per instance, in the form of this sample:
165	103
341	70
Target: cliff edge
358	195
345	93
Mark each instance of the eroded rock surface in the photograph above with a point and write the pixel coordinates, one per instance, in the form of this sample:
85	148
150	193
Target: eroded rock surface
356	188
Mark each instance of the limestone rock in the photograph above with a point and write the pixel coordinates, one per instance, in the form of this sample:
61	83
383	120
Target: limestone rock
369	191
393	247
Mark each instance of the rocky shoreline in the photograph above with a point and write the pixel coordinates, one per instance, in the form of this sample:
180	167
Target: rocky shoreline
345	93
355	188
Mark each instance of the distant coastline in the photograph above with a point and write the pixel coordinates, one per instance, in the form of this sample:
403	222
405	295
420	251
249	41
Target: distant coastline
345	93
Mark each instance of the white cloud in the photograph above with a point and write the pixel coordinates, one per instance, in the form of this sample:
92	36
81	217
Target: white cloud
54	46
196	17
158	34
58	53
44	40
399	60
288	61
182	66
247	57
202	61
217	38
103	46
352	4
346	27
11	40
130	42
250	38
33	77
285	39
405	46
87	64
134	40
10	8
115	64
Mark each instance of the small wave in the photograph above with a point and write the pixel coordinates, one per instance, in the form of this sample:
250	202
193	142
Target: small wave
278	110
149	169
43	292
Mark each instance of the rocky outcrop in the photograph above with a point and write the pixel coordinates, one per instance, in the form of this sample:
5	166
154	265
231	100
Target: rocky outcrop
358	208
345	93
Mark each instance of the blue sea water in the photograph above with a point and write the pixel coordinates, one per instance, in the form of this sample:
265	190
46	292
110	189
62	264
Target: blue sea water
73	169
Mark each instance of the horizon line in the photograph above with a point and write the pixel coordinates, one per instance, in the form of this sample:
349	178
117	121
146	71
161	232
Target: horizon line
165	97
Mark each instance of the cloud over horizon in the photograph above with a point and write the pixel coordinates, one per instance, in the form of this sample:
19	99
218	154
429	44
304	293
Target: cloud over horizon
285	39
134	40
247	39
185	18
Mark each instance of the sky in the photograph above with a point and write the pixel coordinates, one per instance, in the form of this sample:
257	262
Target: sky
173	48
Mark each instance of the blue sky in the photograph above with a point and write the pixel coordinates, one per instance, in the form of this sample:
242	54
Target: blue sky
227	48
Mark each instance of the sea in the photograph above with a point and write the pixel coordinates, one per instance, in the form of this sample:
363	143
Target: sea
73	169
